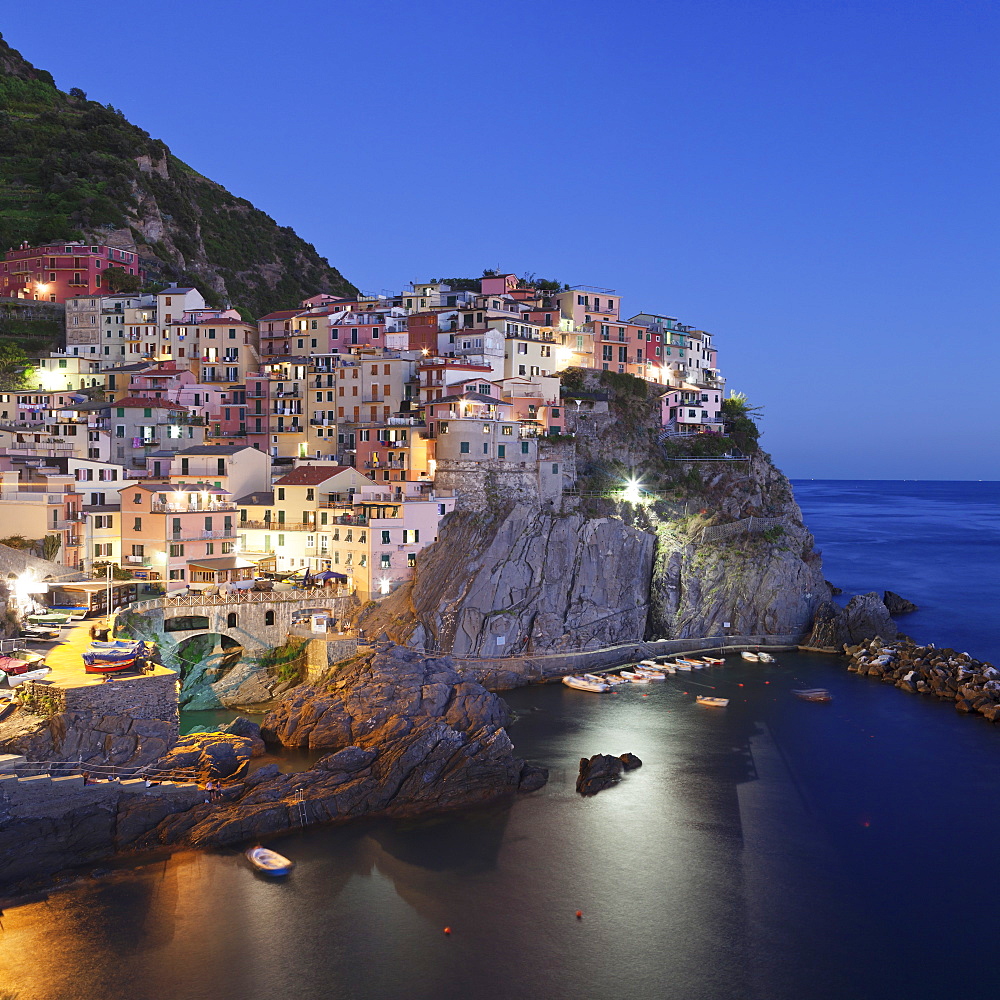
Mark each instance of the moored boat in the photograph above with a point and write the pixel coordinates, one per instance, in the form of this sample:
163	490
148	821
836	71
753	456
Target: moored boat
765	658
269	862
752	657
715	661
704	699
683	666
635	677
649	663
581	683
814	694
692	664
653	675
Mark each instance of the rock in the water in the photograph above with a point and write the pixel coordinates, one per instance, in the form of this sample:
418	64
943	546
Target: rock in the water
630	761
600	772
532	778
897	605
833	590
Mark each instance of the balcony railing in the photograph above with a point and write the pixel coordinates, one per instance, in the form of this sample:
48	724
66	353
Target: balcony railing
193	536
158	507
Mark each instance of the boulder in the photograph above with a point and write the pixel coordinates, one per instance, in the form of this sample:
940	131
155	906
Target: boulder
629	761
866	617
897	605
599	772
532	778
209	756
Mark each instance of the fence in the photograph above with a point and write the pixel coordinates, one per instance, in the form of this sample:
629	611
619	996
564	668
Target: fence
239	597
749	525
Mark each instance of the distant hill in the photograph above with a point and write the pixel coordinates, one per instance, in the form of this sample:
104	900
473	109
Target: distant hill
73	168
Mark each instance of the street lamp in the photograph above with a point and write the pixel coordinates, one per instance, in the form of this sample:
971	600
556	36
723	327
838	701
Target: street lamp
631	493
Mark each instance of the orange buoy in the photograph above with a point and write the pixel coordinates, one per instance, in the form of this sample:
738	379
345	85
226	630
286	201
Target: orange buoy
579	914
447	930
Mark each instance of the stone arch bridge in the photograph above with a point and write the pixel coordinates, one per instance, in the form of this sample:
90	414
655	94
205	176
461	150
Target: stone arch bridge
255	620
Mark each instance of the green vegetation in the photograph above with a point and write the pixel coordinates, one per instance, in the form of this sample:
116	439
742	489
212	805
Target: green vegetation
73	168
285	662
50	547
740	423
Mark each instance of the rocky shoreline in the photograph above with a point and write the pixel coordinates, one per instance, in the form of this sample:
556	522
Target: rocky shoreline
974	685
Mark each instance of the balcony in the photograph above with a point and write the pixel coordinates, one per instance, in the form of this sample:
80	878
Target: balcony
138	560
158	507
278	526
322	422
194	536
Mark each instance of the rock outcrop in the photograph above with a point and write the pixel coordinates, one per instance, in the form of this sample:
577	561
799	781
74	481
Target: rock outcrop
897	605
602	771
211	756
525	581
864	617
409	735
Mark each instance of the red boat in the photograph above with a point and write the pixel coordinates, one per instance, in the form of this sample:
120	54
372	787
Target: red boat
109	667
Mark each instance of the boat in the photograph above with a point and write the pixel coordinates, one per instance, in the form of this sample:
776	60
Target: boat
765	658
814	694
595	678
649	663
36	673
49	618
581	683
108	666
752	657
691	664
715	661
269	862
635	677
653	675
683	665
704	699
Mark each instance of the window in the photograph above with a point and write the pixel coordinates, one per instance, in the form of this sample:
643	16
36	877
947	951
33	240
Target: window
524	447
176	550
137	526
231	620
281	492
310	494
385	560
463	448
555	468
410	536
268	617
501	451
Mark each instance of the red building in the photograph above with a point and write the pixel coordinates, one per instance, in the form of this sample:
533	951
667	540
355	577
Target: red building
56	272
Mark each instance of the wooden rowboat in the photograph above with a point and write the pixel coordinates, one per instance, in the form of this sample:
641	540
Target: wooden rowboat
704	699
814	694
752	657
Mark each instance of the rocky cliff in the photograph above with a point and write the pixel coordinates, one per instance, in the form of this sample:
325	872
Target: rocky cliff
526	580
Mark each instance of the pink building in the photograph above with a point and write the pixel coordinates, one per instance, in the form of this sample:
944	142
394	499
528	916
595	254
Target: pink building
56	272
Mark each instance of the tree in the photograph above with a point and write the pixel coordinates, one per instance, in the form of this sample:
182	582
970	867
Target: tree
78	93
17	542
15	372
117	279
50	547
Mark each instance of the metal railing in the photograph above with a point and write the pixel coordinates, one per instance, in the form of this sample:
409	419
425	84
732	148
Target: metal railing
748	525
239	597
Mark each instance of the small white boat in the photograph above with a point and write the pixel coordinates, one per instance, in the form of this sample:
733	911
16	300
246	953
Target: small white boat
582	684
704	699
635	677
814	694
668	668
715	661
649	663
765	658
596	679
653	675
683	666
692	664
269	862
612	679
752	657
31	675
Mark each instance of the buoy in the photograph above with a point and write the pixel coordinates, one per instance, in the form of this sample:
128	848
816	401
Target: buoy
447	930
579	914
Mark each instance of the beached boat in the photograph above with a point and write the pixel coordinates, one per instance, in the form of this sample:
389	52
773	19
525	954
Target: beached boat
635	677
581	683
35	673
109	666
49	618
752	657
814	694
704	699
765	658
269	862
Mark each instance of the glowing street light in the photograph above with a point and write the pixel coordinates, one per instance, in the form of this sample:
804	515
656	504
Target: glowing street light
631	493
383	585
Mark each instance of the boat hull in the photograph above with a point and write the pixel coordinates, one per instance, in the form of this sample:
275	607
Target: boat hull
269	862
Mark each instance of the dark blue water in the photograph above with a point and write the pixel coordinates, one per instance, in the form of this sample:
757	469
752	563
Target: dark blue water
936	543
777	849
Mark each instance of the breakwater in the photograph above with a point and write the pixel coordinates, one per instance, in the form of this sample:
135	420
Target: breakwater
974	685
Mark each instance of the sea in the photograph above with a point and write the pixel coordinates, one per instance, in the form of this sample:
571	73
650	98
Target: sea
774	850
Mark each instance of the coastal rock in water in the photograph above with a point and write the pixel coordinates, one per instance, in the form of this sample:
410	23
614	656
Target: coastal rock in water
866	617
630	761
897	605
828	630
409	736
599	772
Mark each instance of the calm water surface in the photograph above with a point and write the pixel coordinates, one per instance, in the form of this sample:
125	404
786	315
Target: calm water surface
778	849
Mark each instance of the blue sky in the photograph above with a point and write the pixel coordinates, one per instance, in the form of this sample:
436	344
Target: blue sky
814	182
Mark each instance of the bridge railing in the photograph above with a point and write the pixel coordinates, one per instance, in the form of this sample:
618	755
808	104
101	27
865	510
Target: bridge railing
239	597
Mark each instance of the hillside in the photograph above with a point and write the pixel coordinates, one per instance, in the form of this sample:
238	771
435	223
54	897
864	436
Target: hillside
74	168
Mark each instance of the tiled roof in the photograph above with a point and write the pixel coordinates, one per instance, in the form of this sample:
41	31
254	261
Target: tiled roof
143	401
310	475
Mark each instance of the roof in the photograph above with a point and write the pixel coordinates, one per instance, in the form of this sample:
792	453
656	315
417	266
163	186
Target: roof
102	508
171	487
226	562
257	499
173	289
217	449
280	314
147	403
469	397
311	475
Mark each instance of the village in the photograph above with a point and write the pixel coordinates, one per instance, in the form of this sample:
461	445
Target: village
185	448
